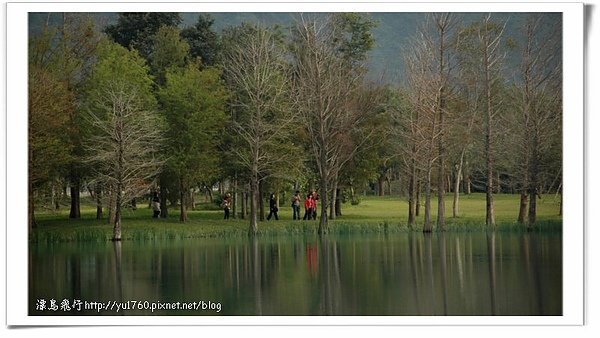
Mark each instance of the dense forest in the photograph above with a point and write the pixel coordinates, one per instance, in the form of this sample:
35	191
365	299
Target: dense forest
150	102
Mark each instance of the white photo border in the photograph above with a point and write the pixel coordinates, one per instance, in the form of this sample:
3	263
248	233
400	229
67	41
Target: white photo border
573	161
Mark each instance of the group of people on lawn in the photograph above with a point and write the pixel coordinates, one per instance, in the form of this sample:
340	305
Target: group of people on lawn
310	206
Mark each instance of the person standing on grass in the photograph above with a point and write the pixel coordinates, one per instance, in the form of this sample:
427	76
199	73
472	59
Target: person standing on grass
155	205
273	208
308	204
225	205
296	205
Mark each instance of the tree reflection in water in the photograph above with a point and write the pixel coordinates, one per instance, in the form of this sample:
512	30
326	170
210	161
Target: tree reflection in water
398	274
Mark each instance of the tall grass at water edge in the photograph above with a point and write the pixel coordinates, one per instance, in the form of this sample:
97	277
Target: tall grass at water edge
372	215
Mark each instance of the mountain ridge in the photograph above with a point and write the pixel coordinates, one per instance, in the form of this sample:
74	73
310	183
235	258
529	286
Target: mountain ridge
392	33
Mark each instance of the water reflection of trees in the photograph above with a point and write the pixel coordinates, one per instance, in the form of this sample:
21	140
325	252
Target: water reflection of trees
329	271
407	274
491	247
118	275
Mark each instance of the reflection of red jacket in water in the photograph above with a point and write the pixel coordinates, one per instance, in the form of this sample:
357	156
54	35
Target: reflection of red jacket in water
311	259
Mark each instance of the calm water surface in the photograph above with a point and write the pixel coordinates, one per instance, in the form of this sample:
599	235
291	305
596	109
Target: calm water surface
401	274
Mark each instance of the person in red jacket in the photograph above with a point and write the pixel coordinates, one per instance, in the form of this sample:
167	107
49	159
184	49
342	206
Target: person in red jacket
308	204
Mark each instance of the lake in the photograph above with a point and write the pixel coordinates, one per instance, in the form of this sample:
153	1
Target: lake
406	274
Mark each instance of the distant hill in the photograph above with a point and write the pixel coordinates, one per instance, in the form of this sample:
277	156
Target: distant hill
392	33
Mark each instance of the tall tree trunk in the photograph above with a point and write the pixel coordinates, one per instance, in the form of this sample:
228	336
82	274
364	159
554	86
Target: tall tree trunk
489	198
117	221
441	107
164	212
524	199
338	203
334	190
523	203
466	179
457	185
412	194
58	196
117	214
235	197
533	183
98	192
53	197
498	185
323	224
246	204
192	198
110	207
441	213
427	216
381	184
182	200
75	197
119	187
31	208
418	198
441	207
561	203
254	192
525	181
261	200
243	205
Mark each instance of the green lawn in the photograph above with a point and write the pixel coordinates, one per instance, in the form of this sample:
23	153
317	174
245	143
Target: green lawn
373	214
471	208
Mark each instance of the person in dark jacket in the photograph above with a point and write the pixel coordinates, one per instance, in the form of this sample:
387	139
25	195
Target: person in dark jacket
273	208
226	205
155	205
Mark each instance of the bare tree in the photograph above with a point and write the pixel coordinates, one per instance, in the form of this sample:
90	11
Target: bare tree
408	120
369	132
482	47
256	71
538	95
466	120
444	24
123	146
463	135
326	90
423	122
490	36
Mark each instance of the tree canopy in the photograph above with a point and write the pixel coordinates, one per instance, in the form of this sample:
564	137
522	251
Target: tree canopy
252	108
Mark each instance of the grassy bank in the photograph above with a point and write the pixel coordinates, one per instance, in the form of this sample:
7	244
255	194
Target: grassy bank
372	215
